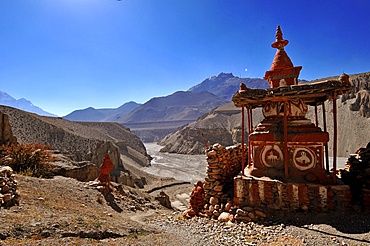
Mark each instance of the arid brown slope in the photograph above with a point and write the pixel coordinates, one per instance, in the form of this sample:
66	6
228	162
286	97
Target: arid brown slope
79	140
63	211
222	125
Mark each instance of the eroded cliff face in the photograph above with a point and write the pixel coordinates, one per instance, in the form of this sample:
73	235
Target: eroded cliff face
195	140
103	148
6	133
222	125
361	92
362	103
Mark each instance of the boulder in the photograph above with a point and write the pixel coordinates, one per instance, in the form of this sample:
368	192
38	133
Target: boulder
228	206
86	172
129	179
225	217
83	171
260	213
164	200
213	201
5	171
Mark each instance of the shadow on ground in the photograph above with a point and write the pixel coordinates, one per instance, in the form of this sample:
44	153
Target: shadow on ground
352	222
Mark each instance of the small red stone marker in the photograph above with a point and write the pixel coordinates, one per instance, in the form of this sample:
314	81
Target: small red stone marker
105	169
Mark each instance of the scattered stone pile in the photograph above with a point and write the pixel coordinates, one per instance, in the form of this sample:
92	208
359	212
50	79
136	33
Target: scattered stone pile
229	212
213	209
356	174
8	187
223	165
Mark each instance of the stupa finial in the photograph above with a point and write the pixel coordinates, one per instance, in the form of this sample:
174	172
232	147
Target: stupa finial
282	71
279	43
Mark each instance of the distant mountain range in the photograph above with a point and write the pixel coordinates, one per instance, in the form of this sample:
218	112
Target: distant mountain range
181	105
159	116
187	103
23	104
101	115
226	84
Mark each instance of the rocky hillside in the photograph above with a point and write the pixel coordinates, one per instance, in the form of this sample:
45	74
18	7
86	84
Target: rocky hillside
101	115
223	124
79	142
361	92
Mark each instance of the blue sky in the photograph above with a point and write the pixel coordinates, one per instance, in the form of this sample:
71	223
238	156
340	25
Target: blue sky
65	55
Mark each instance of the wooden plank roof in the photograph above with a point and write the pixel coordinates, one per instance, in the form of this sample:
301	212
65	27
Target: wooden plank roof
310	93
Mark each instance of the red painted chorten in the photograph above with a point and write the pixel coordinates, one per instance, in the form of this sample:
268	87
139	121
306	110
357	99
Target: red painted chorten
286	145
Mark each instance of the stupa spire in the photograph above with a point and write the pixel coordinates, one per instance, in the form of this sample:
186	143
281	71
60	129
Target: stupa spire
279	43
282	71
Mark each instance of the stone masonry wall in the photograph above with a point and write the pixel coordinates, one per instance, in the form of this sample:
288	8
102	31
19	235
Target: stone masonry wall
224	163
245	198
276	195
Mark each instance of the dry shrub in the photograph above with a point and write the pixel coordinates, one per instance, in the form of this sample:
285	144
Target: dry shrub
27	159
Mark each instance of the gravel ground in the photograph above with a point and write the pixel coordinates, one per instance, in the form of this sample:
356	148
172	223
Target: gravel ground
63	211
202	231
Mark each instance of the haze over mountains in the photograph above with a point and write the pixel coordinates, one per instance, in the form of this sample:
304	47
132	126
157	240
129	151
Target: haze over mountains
187	103
159	116
101	115
162	115
23	104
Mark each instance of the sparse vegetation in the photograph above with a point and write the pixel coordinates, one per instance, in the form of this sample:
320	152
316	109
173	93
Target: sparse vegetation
27	159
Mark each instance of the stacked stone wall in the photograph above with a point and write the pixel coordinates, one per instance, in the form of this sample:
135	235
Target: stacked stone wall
231	196
271	195
224	163
8	187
